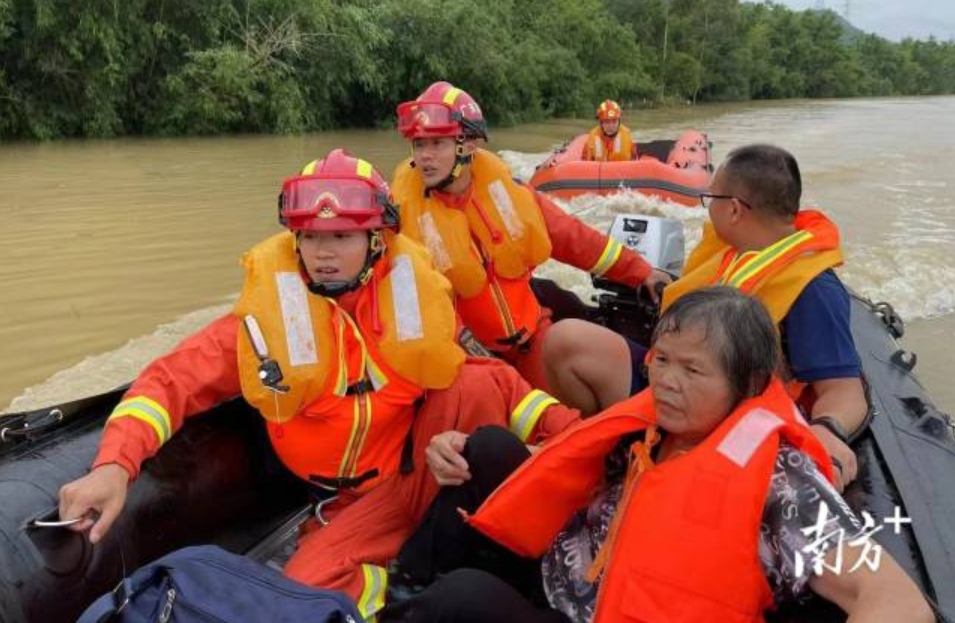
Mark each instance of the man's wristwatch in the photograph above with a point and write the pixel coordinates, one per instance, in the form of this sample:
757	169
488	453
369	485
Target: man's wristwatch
833	425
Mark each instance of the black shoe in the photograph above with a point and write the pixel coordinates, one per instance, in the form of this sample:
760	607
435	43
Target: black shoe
402	586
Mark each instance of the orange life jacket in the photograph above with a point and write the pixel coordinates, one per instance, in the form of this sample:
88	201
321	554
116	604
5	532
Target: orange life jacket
686	548
603	148
775	275
487	248
348	409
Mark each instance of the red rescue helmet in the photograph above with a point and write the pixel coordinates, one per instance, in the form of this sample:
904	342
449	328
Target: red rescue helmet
442	110
608	110
337	193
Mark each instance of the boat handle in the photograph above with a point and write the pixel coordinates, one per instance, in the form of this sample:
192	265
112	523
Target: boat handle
59	523
31	427
904	359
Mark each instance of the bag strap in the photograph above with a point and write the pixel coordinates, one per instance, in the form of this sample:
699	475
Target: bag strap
110	605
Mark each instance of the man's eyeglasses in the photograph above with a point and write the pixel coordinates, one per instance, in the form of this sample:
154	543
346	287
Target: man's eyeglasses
706	200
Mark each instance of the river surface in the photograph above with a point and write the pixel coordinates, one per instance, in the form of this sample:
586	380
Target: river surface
112	251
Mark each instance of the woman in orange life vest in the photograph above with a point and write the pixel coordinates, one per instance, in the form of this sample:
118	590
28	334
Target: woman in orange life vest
675	505
487	233
757	239
610	140
342	329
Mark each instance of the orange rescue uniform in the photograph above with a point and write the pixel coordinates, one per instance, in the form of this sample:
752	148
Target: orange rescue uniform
488	241
349	440
687	530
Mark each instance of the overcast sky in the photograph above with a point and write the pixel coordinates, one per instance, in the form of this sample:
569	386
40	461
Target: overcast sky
893	19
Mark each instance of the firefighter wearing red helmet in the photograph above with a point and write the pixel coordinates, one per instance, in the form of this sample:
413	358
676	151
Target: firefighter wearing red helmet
487	232
610	140
343	327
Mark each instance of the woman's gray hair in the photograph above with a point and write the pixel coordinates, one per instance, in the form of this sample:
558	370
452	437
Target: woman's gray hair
739	330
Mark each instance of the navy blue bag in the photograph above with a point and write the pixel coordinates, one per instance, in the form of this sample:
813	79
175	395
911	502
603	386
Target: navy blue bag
206	584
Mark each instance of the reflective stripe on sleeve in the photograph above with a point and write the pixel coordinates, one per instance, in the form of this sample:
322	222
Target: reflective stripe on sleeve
525	416
146	410
607	259
373	594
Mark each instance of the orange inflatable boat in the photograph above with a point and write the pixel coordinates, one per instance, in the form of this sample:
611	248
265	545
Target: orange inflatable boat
676	170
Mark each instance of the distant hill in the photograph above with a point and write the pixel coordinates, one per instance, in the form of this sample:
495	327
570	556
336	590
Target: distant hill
849	32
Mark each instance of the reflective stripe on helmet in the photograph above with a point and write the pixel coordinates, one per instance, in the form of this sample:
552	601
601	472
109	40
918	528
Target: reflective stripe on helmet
363	169
451	95
309	168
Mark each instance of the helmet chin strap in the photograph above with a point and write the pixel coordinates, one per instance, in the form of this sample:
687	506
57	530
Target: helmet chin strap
334	289
461	160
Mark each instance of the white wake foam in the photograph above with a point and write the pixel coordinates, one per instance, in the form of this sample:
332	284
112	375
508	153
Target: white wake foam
101	373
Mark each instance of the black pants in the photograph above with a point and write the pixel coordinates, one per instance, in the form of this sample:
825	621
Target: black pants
478	580
470	596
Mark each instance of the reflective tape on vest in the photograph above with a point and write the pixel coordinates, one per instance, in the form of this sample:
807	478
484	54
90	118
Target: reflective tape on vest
373	594
299	333
608	258
341	380
741	443
505	208
434	242
750	265
404	294
525	416
146	410
368	366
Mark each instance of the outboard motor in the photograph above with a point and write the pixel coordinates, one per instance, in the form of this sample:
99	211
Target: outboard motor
660	242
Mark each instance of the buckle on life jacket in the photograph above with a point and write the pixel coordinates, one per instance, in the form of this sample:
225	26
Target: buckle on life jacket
520	338
271	375
334	484
360	387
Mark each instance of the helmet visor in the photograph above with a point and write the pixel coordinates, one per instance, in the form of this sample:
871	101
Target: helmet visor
307	196
427	118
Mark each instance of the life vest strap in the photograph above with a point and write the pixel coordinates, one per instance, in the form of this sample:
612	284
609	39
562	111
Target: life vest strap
515	339
363	386
335	484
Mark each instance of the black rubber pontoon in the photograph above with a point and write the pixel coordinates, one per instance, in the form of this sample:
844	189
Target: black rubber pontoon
217	481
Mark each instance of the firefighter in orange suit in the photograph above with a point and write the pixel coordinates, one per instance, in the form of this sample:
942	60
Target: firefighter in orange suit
610	141
487	233
342	329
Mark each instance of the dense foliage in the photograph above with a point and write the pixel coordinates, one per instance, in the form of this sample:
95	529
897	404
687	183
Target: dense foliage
111	67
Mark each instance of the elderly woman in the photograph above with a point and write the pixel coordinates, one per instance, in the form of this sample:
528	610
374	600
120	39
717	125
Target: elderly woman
689	502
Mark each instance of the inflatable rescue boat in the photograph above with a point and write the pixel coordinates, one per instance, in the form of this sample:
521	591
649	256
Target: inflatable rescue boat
676	170
217	480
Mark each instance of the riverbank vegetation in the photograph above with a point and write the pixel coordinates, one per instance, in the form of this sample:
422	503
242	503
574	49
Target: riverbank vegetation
170	67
